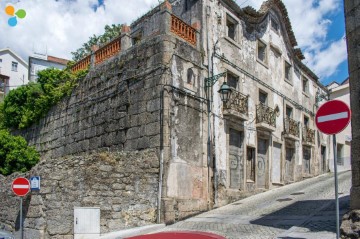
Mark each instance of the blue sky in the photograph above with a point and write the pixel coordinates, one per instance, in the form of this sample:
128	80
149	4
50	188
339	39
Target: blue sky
60	27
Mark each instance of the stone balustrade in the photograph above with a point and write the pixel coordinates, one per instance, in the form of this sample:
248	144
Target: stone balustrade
108	50
82	64
183	30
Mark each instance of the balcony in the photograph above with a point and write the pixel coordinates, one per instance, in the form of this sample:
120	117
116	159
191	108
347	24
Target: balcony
308	136
292	129
237	106
265	117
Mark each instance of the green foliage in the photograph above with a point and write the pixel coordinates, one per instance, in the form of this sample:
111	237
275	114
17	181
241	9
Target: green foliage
15	154
110	33
28	104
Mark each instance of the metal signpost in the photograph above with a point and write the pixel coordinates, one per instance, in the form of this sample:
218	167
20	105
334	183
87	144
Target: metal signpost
332	118
21	187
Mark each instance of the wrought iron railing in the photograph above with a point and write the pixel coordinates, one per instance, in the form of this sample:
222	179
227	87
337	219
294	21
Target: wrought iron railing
183	30
265	114
238	102
308	135
292	127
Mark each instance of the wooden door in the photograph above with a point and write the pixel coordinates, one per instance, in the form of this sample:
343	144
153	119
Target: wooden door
236	159
289	165
262	163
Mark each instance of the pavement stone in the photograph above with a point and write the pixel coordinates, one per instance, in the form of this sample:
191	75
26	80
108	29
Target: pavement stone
304	209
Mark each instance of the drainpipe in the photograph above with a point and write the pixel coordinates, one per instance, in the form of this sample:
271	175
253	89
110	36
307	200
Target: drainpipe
208	103
161	154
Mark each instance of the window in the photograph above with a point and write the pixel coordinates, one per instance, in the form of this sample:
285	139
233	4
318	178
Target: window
250	164
0	60
263	97
190	76
261	51
305	85
339	155
274	25
287	71
2	85
231	27
232	80
14	66
289	112
306	121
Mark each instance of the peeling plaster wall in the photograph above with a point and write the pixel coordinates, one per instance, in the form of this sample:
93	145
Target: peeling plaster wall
242	51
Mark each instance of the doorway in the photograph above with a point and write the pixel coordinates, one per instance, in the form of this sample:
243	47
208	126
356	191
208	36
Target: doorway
262	162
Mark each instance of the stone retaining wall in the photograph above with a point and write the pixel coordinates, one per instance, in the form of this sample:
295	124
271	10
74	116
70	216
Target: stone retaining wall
123	184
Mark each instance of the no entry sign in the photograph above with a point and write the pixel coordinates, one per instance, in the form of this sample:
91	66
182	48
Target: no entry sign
20	186
333	117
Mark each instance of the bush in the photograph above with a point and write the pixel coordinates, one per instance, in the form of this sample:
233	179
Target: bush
15	154
27	104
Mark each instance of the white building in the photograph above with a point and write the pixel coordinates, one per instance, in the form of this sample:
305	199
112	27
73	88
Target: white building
13	66
343	139
39	62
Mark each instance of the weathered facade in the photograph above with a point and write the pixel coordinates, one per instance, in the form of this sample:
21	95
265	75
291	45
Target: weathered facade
352	15
156	88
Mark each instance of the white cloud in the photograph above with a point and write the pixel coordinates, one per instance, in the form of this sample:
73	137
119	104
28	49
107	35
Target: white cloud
311	21
63	26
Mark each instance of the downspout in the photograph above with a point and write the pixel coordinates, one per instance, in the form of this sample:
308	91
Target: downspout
161	154
207	87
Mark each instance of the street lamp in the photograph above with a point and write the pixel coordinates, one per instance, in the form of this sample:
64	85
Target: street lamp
225	92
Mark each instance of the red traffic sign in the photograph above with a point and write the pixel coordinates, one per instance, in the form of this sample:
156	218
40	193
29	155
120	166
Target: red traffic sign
333	117
21	186
179	235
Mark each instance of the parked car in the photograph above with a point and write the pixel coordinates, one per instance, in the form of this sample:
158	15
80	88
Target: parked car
179	235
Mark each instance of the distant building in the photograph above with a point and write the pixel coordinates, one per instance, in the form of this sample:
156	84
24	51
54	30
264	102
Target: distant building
343	139
14	67
39	62
3	83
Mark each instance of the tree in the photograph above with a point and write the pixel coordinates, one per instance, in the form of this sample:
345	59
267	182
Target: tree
15	154
110	33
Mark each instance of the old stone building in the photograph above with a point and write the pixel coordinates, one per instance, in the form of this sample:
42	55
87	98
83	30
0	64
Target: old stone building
153	129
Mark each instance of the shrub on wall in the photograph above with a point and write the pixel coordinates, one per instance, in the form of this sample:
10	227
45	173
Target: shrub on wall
15	154
28	104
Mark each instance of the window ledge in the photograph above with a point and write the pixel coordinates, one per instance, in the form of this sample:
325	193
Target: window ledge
250	181
306	94
289	82
232	42
262	63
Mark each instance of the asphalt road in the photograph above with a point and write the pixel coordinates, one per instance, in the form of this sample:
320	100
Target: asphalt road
304	209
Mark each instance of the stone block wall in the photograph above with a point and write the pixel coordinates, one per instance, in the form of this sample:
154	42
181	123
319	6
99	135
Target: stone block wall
122	184
116	107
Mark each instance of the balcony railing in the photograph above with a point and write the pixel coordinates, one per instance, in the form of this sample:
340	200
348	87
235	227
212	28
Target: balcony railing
82	64
308	135
238	102
292	127
265	114
108	50
183	30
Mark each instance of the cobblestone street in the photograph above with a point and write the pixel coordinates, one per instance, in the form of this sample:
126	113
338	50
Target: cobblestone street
301	210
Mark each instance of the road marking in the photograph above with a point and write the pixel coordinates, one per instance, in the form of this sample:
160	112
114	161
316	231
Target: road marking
21	186
342	115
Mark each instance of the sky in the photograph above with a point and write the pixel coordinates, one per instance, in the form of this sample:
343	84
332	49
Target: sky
58	27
